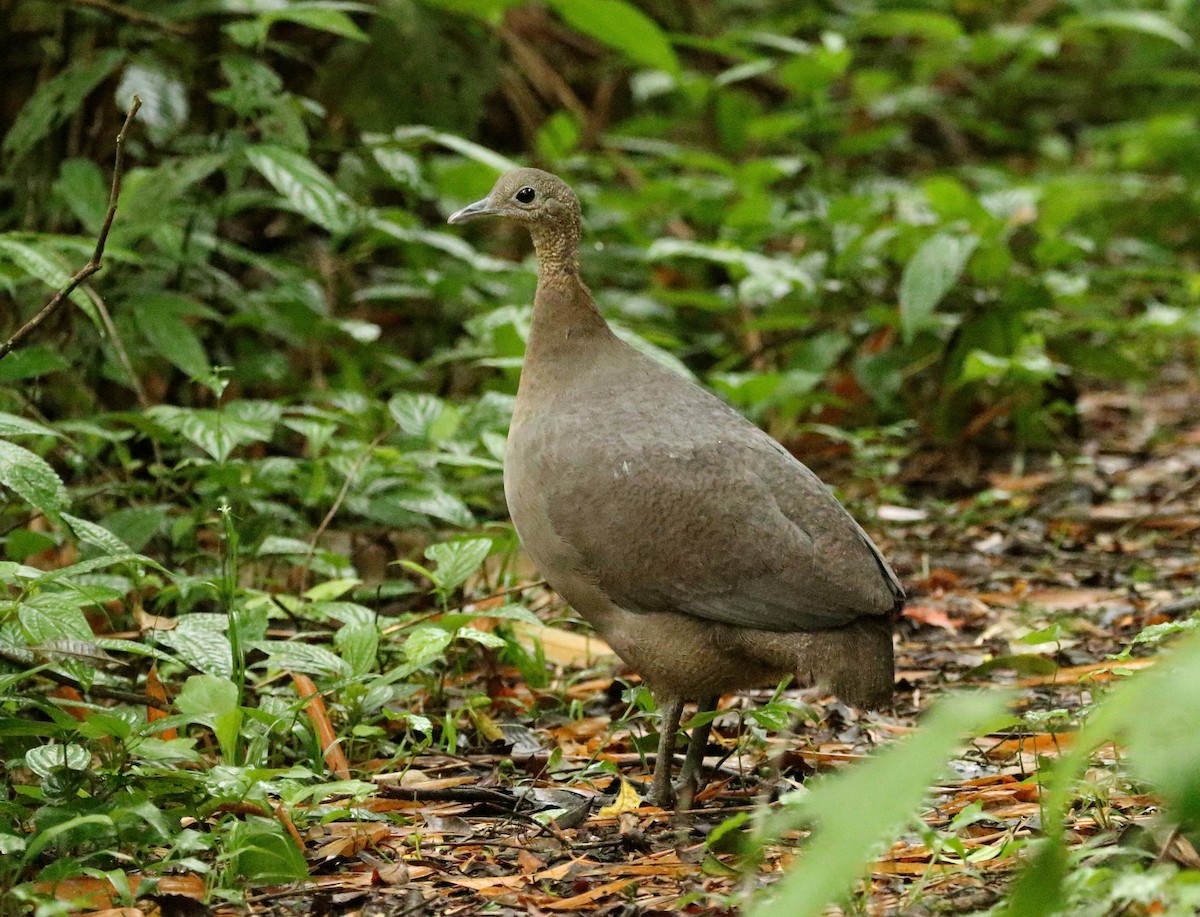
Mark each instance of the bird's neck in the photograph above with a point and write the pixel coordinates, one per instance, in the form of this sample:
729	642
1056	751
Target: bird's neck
564	314
563	308
567	331
557	248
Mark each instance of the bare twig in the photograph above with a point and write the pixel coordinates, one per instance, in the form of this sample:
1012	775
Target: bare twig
134	16
351	475
96	261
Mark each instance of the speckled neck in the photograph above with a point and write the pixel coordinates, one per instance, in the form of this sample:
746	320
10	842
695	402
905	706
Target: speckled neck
557	247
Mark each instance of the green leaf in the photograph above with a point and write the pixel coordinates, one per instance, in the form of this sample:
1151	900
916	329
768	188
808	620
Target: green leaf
44	760
489	11
482	637
436	503
47	266
622	26
96	535
212	701
359	645
1162	735
56	100
1145	22
304	187
52	616
219	432
321	15
31	478
12	425
426	644
456	560
882	794
460	145
31	363
264	854
161	318
199	640
302	657
928	277
415	413
922	24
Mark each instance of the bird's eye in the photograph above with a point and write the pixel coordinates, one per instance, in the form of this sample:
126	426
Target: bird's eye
526	195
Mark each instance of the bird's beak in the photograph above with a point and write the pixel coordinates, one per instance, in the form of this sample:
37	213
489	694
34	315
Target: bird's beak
481	208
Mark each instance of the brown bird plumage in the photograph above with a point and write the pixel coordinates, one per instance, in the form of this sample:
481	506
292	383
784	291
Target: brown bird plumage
708	557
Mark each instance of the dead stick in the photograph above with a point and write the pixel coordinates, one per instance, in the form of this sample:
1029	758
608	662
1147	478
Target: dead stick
134	16
96	261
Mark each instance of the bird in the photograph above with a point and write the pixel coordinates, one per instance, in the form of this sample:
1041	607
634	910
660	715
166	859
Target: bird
709	557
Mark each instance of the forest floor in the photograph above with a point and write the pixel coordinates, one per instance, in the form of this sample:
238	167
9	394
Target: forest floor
1027	579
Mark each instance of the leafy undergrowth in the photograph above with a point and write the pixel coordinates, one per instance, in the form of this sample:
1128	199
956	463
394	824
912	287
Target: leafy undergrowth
482	761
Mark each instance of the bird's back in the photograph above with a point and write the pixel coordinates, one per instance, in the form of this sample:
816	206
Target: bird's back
671	501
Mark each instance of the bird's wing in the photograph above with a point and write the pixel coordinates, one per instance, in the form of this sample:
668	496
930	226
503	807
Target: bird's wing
734	530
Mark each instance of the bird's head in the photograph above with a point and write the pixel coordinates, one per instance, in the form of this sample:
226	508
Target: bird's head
529	196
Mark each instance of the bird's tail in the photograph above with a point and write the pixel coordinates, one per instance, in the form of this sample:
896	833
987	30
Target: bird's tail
853	661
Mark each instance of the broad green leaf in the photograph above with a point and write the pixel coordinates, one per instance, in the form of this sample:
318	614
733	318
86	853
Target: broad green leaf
83	188
304	187
77	571
436	503
264	854
136	525
1162	736
96	535
771	278
881	794
460	145
44	760
12	425
1145	22
358	645
509	612
31	363
219	432
456	560
426	644
928	277
52	616
387	223
213	702
622	26
482	637
162	320
302	657
46	265
323	16
31	478
58	99
199	641
415	413
921	23
282	544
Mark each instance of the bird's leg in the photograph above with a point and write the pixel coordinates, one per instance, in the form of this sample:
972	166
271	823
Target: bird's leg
689	777
670	711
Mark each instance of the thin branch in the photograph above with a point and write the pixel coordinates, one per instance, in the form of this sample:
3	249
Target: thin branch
134	16
351	475
96	261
